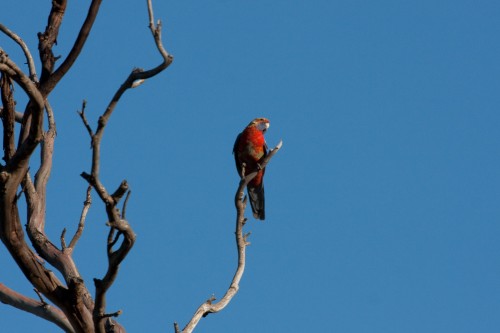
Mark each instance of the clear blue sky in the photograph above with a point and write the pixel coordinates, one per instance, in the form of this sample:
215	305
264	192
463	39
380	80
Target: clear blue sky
383	206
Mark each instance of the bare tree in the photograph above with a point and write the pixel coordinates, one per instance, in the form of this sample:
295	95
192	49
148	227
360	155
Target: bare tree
68	302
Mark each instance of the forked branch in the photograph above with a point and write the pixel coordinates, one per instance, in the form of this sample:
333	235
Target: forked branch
119	227
240	202
49	80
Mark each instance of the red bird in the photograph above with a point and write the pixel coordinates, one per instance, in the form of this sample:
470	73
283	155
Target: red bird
249	148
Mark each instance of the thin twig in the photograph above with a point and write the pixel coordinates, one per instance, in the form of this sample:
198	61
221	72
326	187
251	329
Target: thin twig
114	314
41	297
83	216
84	118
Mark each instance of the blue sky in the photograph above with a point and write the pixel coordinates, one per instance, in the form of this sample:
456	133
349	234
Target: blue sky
383	206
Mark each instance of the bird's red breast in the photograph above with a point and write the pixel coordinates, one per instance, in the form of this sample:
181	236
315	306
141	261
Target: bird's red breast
250	148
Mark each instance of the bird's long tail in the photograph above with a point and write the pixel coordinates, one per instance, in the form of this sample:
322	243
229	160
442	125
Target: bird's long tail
257	202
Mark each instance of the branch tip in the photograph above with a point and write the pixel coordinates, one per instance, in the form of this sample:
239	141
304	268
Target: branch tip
84	119
63	241
114	314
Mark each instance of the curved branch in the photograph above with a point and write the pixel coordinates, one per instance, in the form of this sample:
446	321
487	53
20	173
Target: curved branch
240	202
137	75
156	31
26	51
40	309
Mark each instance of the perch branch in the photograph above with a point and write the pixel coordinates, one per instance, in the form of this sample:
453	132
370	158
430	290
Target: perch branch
241	243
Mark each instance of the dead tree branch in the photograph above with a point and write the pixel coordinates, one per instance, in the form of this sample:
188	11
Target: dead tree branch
241	244
73	299
81	224
116	221
49	37
40	309
84	118
11	176
34	133
26	51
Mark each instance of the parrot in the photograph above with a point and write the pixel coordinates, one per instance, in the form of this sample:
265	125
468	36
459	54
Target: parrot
249	148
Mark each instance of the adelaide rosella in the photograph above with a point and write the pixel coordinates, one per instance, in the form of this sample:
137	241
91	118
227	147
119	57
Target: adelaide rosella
249	148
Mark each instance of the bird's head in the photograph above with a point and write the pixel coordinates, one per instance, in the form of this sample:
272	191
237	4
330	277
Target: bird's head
262	124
